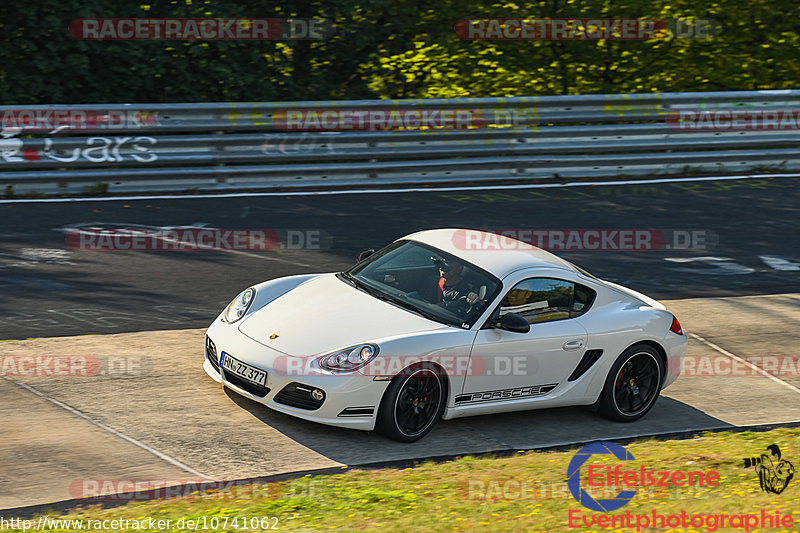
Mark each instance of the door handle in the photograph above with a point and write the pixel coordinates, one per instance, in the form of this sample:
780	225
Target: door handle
573	344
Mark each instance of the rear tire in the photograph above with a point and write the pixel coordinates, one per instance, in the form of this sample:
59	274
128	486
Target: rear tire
412	403
633	384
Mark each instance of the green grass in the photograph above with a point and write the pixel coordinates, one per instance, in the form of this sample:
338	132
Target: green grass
453	495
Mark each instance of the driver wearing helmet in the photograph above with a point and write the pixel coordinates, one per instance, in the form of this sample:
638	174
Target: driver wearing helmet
454	288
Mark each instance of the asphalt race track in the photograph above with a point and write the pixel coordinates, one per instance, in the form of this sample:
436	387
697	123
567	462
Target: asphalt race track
51	290
736	296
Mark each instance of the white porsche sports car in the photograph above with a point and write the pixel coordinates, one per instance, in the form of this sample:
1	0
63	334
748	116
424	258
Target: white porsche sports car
443	324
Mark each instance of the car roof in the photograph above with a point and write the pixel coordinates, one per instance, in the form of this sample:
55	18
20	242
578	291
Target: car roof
494	253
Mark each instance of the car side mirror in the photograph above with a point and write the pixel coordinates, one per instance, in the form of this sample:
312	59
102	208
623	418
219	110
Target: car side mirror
363	254
513	322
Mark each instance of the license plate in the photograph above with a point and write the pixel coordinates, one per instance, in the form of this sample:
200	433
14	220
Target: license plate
243	370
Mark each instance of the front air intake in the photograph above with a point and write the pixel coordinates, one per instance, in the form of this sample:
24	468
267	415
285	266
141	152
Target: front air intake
211	354
301	396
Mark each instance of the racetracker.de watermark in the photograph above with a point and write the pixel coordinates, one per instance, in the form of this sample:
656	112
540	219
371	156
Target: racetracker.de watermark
584	29
583	240
117	489
384	119
192	29
734	119
35	120
209	239
528	489
745	366
392	365
70	366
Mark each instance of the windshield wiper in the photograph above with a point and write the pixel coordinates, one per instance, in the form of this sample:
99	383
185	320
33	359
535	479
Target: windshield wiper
358	284
422	313
366	288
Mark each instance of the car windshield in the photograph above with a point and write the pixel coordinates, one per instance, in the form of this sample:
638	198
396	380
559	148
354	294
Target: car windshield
426	281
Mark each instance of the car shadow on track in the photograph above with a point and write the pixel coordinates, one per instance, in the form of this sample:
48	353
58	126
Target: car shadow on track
508	431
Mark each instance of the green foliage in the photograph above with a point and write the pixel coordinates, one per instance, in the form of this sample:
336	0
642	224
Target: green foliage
388	49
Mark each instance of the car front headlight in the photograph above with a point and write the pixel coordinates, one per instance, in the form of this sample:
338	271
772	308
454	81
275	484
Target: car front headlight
349	359
239	306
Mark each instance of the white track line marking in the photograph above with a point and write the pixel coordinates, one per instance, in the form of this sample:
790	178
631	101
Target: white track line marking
383	191
113	431
746	362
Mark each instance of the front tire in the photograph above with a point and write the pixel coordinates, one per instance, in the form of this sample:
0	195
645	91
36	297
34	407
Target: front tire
412	404
633	384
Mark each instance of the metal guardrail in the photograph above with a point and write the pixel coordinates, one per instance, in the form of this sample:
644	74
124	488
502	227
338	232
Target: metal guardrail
367	143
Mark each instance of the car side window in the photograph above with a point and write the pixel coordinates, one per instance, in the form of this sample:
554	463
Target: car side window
582	300
541	300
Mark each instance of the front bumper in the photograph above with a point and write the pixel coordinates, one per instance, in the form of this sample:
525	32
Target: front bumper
351	400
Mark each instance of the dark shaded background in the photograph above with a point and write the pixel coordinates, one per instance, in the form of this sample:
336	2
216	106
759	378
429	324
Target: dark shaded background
387	49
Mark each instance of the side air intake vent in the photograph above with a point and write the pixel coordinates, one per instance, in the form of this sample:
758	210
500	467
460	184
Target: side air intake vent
589	358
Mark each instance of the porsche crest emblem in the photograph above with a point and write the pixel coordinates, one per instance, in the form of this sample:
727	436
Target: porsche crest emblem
273	336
